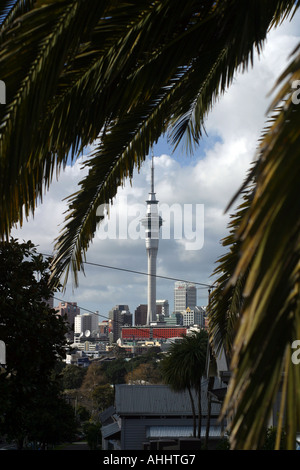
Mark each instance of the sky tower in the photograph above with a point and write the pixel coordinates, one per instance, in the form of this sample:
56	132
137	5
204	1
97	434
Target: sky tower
152	223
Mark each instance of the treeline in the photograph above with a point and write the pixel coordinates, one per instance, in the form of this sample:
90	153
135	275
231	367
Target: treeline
90	389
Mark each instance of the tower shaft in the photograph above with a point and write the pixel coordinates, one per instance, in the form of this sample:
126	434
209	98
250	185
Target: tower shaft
151	311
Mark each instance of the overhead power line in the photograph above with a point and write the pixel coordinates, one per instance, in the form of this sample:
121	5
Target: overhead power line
140	272
146	274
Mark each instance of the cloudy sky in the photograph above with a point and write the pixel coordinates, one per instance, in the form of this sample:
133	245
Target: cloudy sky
200	185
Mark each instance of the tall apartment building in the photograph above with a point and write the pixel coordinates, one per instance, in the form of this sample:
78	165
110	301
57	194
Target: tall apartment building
118	317
68	310
85	322
185	296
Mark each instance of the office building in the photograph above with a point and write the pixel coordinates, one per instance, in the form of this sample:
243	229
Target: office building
193	317
162	312
162	308
185	296
140	315
85	326
118	317
69	311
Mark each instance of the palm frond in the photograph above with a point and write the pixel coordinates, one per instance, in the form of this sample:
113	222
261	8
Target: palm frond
10	9
180	86
83	66
226	300
270	258
110	164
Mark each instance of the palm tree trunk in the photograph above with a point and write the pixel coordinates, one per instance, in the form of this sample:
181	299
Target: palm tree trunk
199	414
20	443
209	388
193	411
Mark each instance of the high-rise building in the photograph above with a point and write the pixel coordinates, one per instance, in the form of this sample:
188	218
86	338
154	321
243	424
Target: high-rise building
185	296
152	223
68	310
162	308
86	322
140	315
118	317
162	312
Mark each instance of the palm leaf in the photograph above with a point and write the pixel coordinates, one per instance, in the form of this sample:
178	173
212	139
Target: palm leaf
112	64
126	72
11	9
84	68
270	248
226	300
175	98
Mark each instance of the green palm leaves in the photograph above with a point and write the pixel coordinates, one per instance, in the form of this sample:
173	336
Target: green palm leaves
264	258
184	366
123	73
126	73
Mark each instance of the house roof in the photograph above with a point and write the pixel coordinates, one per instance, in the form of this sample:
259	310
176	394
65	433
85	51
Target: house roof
106	414
157	400
110	430
219	393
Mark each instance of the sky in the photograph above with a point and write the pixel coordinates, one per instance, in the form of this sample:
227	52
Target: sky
194	189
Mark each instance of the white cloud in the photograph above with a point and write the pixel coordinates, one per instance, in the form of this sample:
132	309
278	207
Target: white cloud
210	178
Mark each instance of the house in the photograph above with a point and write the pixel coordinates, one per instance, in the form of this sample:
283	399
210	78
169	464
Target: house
156	417
218	372
110	430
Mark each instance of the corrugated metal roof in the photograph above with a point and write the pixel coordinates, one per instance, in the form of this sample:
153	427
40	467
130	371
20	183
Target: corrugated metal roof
110	430
157	399
179	431
107	414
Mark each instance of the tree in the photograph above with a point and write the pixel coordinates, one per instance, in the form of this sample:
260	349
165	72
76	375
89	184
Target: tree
52	420
184	367
73	376
270	439
94	376
254	312
83	414
144	374
104	396
126	73
115	371
35	341
92	432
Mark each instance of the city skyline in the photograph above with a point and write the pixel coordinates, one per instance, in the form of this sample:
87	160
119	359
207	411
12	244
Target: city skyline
210	177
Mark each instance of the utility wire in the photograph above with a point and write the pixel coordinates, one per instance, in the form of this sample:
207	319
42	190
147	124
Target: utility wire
204	286
139	272
146	274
